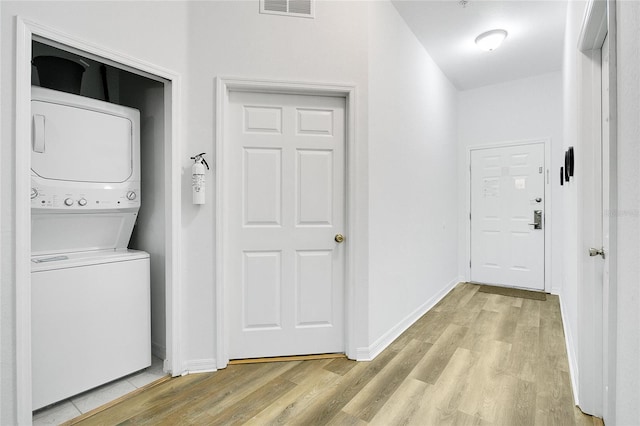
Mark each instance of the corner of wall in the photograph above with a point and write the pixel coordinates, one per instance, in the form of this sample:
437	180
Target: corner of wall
571	353
373	350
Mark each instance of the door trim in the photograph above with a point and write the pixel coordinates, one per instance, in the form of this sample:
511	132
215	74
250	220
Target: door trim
225	85
548	223
26	32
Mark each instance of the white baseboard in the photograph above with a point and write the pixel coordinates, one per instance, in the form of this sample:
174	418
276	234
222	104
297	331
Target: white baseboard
373	350
571	353
206	365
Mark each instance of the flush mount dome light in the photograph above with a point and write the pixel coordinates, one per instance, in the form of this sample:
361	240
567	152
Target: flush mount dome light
491	40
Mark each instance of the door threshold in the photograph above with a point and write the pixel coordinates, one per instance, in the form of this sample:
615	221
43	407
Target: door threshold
512	292
285	358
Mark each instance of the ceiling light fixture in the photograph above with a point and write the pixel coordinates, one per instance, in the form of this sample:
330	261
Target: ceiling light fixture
491	40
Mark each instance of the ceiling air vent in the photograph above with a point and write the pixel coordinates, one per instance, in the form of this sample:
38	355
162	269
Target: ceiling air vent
299	8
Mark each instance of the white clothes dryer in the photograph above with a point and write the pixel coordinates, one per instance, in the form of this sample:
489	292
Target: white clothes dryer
85	173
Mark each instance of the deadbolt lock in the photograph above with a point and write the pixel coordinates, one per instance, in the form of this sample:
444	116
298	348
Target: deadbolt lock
339	238
537	219
596	252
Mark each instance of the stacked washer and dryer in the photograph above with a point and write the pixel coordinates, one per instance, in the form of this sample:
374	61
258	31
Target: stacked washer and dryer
90	293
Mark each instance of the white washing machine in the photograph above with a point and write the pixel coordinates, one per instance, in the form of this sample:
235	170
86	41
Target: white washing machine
90	294
90	321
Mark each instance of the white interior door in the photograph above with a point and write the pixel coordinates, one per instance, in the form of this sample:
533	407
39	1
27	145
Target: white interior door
507	190
287	180
596	301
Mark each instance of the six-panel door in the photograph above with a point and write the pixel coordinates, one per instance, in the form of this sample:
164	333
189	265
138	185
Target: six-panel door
287	183
507	188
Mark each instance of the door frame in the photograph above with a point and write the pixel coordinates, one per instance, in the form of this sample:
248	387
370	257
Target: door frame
26	32
548	223
225	85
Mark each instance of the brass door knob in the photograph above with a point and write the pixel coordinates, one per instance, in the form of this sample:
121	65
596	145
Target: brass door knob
339	238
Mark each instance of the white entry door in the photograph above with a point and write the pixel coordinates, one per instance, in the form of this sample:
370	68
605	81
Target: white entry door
507	198
285	264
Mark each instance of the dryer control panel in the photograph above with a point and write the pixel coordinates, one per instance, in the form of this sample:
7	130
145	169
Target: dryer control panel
79	198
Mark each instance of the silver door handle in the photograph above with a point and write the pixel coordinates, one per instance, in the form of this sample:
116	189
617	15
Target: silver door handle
596	252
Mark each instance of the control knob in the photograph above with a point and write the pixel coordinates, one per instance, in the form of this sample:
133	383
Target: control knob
68	202
82	201
131	195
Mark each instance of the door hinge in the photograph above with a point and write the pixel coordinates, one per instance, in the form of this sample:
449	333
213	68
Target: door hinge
469	216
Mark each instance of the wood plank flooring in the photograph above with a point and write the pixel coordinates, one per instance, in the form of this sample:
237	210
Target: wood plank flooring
474	359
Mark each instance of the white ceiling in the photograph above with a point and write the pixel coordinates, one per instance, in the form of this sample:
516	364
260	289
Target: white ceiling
447	30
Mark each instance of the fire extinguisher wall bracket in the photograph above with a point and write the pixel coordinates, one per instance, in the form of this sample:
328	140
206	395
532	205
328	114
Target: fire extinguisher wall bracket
198	178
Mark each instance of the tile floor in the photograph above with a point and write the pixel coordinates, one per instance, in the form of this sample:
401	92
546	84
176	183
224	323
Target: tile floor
87	401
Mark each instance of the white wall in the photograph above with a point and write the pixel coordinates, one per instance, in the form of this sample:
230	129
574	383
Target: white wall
628	265
415	142
526	109
569	233
413	177
231	39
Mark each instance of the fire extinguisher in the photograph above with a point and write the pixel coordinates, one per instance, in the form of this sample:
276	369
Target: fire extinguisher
197	178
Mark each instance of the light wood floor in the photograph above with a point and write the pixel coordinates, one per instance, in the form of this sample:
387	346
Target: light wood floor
474	359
